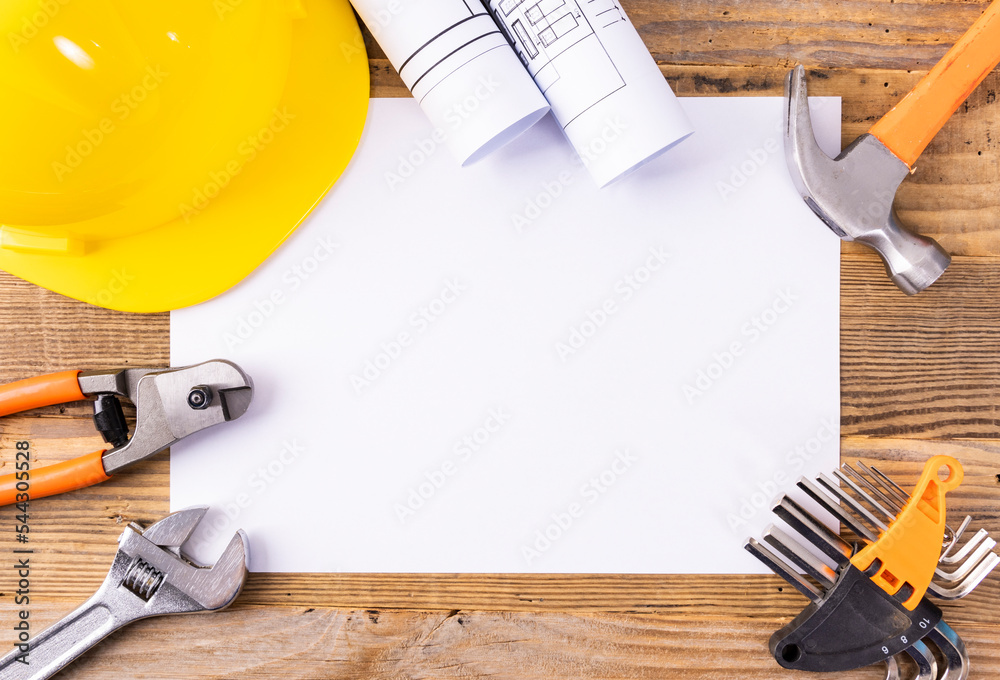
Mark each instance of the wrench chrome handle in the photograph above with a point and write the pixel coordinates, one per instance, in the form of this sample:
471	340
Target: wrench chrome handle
58	645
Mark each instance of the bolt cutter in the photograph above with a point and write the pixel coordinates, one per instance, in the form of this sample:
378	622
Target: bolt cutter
170	403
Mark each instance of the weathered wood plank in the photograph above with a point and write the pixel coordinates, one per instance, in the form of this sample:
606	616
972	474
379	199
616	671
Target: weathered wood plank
314	643
42	331
905	35
922	366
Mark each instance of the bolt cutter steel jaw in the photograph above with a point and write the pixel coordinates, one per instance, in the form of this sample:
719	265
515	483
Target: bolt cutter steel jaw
164	414
170	403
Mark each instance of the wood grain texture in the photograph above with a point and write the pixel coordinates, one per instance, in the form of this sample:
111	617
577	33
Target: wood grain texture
42	331
922	366
317	643
321	644
920	376
905	35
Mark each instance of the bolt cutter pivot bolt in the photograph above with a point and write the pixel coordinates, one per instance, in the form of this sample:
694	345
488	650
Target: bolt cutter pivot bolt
200	397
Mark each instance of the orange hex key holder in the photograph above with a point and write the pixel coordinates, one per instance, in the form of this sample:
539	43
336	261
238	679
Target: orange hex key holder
908	552
170	404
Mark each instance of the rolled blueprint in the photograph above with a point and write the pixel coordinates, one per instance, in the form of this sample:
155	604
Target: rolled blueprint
602	84
460	68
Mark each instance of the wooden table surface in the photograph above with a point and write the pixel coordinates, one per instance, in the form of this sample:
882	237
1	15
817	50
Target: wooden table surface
920	376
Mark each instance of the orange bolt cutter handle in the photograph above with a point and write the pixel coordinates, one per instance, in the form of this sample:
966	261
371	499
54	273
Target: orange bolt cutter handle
46	390
908	552
54	479
43	390
912	124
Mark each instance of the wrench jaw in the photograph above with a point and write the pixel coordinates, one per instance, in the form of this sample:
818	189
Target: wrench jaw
222	583
170	583
175	529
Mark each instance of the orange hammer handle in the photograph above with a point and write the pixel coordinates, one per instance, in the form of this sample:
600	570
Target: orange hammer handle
43	390
912	124
53	479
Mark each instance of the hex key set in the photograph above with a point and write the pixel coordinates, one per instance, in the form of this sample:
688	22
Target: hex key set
867	595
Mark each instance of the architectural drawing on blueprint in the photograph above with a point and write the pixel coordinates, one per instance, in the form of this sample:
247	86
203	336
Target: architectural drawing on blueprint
460	68
558	44
463	32
486	70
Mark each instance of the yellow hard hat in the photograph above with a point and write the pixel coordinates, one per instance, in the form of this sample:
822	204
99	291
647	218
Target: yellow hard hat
155	153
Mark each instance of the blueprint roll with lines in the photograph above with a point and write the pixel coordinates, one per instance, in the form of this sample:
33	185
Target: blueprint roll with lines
604	88
459	66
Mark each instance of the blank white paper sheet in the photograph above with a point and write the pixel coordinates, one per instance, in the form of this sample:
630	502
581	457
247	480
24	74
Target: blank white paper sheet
502	368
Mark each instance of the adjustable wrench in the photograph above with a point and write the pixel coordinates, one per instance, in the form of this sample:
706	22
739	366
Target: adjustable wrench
150	576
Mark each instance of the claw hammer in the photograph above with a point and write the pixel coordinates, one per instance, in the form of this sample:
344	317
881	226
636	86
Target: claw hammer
854	193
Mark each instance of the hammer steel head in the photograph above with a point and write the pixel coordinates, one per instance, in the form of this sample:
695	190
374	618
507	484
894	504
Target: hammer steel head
854	192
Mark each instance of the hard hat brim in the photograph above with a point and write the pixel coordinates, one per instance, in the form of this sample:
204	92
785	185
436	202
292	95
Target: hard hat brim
228	231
